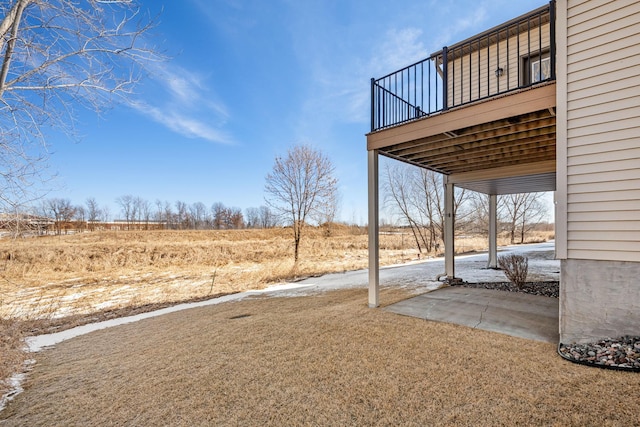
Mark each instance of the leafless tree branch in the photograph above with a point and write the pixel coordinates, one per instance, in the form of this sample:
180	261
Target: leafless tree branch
57	56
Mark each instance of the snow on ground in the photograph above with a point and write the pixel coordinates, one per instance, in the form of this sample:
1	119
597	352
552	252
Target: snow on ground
417	275
420	275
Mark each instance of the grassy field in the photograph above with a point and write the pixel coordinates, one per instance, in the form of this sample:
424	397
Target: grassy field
54	282
59	276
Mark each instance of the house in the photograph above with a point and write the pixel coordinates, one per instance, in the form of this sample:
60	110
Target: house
549	101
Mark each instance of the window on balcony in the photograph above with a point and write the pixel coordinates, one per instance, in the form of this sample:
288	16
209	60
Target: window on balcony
535	68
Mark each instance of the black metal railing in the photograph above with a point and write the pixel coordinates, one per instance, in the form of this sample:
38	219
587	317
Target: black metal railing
518	54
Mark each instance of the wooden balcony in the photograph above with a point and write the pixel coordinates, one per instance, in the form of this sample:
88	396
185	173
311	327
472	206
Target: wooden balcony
485	117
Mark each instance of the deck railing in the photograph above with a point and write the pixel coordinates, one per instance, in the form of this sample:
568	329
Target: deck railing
518	54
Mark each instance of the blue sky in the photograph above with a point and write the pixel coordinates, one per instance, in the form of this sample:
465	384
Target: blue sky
246	81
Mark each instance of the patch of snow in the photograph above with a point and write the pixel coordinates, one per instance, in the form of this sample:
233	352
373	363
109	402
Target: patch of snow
15	384
37	343
412	276
73	297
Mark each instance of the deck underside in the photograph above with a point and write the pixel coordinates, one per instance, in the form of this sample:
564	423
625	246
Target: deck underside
500	146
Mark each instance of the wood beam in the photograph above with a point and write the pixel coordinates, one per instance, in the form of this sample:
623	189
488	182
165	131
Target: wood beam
491	164
514	142
514	104
533	168
540	119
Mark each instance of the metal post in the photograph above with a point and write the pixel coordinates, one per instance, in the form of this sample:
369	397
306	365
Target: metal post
374	263
449	250
493	232
373	104
445	77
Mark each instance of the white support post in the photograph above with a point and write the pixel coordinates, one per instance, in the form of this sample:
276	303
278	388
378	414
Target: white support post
449	251
493	232
374	261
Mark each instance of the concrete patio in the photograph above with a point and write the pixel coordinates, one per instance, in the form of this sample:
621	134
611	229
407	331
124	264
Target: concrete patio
516	314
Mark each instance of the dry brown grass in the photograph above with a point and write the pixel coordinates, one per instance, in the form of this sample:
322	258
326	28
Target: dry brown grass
316	360
57	282
60	276
64	275
11	351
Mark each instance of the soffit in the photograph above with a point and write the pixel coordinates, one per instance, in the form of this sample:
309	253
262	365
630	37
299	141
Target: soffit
513	143
511	185
525	138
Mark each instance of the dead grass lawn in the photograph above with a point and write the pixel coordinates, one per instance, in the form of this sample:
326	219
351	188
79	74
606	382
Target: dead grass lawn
317	360
63	276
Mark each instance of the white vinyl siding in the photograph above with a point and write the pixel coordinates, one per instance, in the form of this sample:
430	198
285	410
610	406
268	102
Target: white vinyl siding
603	130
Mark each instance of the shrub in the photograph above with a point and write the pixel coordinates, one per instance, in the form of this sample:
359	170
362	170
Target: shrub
515	267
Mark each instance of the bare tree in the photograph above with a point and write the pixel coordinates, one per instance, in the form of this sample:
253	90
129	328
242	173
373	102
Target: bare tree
93	212
105	214
298	186
198	212
234	218
522	211
56	56
164	214
327	211
80	218
217	215
252	217
144	211
127	207
61	211
182	215
399	194
417	195
267	218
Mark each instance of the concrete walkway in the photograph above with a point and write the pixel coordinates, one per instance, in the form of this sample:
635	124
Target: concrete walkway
516	314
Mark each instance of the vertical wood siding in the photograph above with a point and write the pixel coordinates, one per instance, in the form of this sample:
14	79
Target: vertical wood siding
603	130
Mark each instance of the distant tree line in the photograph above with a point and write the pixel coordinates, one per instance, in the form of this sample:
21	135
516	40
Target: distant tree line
301	190
139	213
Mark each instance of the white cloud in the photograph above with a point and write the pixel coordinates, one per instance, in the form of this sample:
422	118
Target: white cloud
182	124
184	104
346	88
449	34
400	48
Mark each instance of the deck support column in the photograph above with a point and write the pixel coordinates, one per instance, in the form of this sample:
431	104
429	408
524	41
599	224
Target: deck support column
493	231
374	239
449	251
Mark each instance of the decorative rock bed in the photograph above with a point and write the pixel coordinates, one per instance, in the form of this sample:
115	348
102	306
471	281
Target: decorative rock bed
545	289
621	353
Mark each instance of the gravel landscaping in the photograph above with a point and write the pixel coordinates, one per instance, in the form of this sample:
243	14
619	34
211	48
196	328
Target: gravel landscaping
621	353
546	289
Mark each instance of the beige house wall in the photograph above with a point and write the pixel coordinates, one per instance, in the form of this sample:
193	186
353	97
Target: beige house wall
472	75
598	168
603	130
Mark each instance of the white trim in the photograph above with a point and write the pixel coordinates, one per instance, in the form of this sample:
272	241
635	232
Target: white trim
560	197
